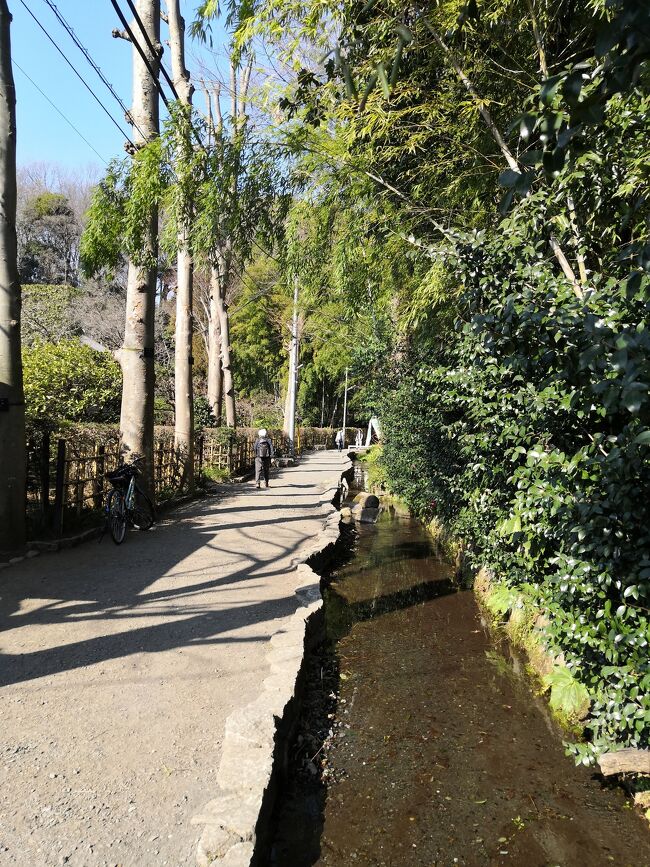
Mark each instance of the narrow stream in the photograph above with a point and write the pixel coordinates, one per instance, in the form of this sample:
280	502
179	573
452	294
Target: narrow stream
423	743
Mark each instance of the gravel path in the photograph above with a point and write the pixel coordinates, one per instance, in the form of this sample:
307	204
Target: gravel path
119	666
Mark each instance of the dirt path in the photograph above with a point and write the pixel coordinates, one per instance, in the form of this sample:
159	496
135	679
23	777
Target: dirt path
119	666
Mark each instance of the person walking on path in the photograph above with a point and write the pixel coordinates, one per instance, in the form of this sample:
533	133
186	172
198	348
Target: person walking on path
359	438
339	439
263	448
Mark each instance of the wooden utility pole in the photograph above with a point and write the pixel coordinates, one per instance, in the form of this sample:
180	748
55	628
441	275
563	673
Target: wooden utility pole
12	400
183	386
136	356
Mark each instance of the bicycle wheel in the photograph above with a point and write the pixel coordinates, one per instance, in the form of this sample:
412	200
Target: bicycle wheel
143	515
116	513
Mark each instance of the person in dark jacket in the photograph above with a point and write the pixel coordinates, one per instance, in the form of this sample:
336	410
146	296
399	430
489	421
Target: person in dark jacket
263	448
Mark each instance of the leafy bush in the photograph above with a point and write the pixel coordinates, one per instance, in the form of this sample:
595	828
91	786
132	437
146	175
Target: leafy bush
374	466
530	438
69	381
216	474
527	430
203	416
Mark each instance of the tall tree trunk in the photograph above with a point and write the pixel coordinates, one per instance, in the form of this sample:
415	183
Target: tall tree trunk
215	373
183	386
137	353
12	400
218	295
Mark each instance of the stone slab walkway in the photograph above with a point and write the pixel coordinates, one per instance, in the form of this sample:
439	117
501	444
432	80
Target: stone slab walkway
119	667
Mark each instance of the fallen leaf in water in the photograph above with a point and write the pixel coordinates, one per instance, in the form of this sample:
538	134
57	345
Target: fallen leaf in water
481	802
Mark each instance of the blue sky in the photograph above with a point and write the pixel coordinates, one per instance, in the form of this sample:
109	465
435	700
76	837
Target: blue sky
43	135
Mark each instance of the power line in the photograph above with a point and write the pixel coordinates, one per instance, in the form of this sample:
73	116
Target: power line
147	62
90	60
151	48
56	108
79	76
138	48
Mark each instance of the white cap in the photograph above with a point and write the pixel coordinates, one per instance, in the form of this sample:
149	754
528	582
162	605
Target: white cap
262	432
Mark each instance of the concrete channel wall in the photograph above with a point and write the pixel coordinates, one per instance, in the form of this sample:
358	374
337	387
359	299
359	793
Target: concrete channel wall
236	823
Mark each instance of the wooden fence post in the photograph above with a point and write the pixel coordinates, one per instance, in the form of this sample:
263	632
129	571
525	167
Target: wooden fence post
201	447
159	478
78	488
45	475
59	488
98	482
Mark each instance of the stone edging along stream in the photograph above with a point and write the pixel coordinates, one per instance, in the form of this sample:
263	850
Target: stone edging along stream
256	736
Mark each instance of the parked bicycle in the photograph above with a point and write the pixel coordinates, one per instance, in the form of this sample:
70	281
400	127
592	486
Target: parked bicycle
126	503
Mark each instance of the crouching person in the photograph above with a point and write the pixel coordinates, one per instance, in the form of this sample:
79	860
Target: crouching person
263	448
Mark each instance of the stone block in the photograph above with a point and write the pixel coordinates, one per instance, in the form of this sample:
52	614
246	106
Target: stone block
308	594
283	680
365	514
231	813
254	725
239	855
285	654
244	766
367	501
214	843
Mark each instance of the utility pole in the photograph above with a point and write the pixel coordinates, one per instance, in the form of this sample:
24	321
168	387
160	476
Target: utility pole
12	399
184	328
345	408
137	354
290	426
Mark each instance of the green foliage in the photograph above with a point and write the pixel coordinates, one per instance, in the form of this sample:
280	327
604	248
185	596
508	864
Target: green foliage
569	698
535	452
119	216
69	381
372	460
257	326
526	430
500	600
48	313
203	416
239	199
216	474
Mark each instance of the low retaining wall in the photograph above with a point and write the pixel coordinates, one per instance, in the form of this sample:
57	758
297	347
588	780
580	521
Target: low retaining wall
237	820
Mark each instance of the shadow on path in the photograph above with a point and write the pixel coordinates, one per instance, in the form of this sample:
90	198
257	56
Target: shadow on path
194	557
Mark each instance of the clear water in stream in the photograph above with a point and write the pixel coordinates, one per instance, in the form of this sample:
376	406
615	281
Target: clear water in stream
440	752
